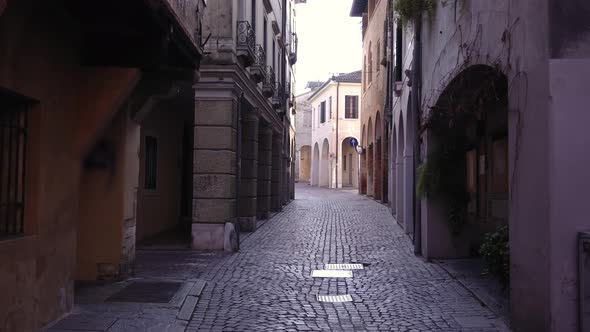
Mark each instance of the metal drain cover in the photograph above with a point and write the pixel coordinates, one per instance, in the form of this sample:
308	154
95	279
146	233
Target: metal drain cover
331	274
344	267
335	298
147	292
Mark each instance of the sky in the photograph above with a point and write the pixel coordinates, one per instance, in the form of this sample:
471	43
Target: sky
329	41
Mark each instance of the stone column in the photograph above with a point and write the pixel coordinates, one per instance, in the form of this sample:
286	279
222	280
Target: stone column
264	171
215	170
408	190
277	173
249	171
399	189
363	182
377	173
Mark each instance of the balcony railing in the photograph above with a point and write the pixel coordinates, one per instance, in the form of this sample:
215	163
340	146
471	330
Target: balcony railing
278	98
268	86
293	49
245	46
258	70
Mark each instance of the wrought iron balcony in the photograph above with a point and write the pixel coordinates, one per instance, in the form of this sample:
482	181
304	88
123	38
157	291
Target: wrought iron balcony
293	49
258	70
268	86
245	46
278	99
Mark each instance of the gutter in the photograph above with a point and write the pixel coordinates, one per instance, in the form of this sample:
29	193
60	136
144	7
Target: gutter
337	136
238	167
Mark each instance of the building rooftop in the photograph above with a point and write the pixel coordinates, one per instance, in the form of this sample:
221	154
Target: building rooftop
313	85
352	77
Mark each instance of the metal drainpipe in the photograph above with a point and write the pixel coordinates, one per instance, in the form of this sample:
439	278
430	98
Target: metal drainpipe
337	136
416	96
238	167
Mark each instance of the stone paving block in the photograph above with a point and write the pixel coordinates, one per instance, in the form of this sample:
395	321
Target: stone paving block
83	321
197	288
188	307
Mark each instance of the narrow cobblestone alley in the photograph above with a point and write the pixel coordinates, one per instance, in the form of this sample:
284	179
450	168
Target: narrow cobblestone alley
268	284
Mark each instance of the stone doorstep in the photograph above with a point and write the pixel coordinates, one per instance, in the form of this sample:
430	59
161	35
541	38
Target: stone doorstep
185	300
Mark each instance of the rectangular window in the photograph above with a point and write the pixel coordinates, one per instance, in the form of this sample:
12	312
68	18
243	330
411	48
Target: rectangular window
274	51
323	112
151	162
351	108
13	134
398	53
253	14
264	40
344	163
330	108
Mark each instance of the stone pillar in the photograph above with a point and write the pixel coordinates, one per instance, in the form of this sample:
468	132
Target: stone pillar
363	184
370	169
277	172
377	174
264	172
408	190
399	190
215	170
249	171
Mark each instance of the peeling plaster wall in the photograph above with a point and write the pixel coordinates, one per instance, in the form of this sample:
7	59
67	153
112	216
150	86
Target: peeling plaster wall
513	37
37	270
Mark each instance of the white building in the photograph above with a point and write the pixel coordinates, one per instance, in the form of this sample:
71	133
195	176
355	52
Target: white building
335	122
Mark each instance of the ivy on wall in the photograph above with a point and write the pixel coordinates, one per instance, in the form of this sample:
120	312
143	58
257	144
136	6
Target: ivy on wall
443	173
406	10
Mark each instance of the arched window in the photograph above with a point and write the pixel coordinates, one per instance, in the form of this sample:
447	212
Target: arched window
370	65
364	73
378	55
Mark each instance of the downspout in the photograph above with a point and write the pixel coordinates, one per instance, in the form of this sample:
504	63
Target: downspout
337	136
238	167
416	97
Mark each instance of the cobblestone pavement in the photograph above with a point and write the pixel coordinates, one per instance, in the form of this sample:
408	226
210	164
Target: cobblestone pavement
267	286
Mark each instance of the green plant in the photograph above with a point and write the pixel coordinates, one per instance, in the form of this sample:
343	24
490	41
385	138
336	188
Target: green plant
495	251
407	10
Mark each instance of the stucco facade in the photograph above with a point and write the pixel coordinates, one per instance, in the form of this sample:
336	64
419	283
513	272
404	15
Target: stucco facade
335	163
243	135
303	138
374	133
75	157
534	58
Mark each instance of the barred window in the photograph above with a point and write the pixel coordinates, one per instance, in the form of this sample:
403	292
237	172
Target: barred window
351	110
151	162
13	139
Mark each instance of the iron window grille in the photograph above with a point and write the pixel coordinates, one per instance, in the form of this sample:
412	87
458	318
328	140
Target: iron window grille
151	162
13	145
